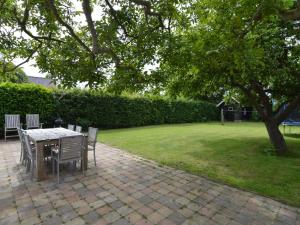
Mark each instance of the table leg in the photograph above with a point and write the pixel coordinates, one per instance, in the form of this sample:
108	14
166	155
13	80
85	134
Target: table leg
40	165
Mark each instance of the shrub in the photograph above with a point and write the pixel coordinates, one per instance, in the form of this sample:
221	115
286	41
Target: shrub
91	108
25	98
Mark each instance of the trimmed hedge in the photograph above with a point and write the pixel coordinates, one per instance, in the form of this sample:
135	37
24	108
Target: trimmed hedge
90	108
25	98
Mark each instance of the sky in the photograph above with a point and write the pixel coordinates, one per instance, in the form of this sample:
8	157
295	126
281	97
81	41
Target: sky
30	69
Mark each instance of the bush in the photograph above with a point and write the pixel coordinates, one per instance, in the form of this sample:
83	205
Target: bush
91	108
25	98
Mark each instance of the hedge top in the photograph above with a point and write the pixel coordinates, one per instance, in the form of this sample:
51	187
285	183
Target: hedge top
93	108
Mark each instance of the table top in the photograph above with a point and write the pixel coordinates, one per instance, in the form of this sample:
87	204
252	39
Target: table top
50	133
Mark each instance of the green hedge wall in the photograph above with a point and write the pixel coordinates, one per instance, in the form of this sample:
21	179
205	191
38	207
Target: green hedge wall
25	98
90	108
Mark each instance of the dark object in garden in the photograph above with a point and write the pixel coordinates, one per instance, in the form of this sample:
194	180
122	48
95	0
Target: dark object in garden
58	122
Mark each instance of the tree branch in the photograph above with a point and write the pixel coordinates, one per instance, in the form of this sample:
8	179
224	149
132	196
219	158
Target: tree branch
88	15
251	98
292	14
265	100
281	116
254	19
22	23
148	10
25	61
69	28
115	16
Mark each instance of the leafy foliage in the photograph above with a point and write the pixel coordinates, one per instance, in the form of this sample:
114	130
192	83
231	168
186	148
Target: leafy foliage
90	108
25	98
104	43
246	47
11	75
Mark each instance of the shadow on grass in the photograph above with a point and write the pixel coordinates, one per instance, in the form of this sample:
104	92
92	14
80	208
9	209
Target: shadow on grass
293	135
246	147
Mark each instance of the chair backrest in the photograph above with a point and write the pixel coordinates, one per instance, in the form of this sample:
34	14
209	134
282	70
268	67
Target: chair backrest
70	147
92	136
12	121
71	127
78	129
27	145
20	133
32	121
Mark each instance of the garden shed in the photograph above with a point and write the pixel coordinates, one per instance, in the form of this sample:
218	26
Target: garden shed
233	110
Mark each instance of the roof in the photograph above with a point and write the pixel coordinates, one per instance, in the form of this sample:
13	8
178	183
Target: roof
42	81
221	102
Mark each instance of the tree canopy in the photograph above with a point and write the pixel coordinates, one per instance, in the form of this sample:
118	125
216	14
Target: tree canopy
104	43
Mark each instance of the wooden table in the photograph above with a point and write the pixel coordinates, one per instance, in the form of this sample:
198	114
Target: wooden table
42	137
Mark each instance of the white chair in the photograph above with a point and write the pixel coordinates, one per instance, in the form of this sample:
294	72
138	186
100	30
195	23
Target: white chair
92	140
70	149
71	127
31	151
23	155
78	129
12	122
33	121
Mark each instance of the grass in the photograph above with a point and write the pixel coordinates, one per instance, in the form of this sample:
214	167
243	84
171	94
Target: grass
238	154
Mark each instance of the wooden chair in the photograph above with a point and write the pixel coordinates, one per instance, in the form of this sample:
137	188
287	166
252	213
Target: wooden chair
70	149
92	140
33	121
12	122
78	129
71	127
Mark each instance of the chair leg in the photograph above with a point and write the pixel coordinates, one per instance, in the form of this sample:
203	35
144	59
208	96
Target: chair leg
28	165
52	166
21	154
32	169
82	165
95	156
5	134
57	172
74	164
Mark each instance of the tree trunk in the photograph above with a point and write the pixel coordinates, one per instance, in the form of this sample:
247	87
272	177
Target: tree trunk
276	137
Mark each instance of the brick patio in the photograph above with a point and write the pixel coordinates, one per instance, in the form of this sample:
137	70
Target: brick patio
124	189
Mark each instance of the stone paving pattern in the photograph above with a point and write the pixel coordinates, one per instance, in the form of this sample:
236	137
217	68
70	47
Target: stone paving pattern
124	189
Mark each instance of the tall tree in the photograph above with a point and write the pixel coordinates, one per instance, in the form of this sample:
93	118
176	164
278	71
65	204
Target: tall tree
247	46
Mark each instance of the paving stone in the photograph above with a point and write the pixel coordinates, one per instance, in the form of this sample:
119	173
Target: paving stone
121	222
76	221
134	217
56	220
112	217
177	218
116	204
125	189
68	216
91	217
97	204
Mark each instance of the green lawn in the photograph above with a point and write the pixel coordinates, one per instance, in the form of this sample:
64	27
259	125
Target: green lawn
238	154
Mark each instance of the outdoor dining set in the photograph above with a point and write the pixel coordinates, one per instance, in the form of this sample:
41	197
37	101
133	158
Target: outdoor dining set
51	146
